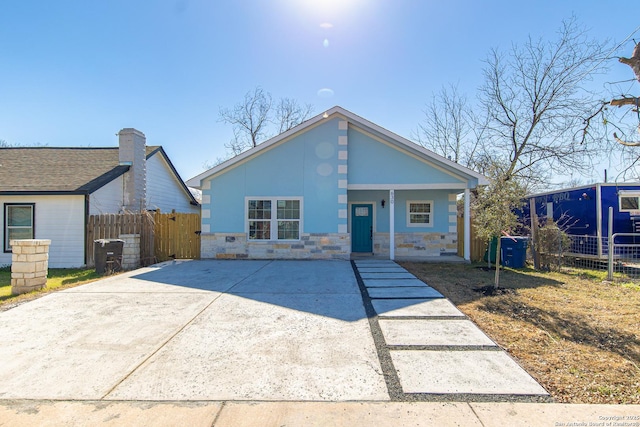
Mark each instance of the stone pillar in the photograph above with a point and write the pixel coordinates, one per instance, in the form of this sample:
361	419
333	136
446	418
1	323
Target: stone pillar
130	251
29	265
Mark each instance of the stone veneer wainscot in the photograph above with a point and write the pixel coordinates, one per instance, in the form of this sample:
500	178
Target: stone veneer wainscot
417	244
310	246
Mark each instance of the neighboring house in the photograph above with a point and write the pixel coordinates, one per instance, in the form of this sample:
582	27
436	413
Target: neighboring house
583	213
334	185
48	193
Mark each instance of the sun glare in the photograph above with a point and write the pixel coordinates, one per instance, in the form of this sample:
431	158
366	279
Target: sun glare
328	7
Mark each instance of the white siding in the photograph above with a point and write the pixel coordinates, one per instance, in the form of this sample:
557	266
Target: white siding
59	218
107	199
164	191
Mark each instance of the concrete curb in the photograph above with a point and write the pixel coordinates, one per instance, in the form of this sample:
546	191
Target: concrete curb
353	414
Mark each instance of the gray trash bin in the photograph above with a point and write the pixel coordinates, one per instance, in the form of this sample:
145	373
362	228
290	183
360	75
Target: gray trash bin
107	254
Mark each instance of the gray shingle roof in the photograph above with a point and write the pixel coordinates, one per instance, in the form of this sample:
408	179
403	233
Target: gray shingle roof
48	169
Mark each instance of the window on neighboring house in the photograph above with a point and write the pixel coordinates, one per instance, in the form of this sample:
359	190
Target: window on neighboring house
278	214
18	222
629	202
419	213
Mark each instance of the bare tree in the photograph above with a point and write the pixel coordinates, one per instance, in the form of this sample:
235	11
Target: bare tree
449	127
633	101
289	114
539	115
255	116
626	120
249	119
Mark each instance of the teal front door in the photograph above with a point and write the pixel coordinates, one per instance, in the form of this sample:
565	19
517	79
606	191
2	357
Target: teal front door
362	228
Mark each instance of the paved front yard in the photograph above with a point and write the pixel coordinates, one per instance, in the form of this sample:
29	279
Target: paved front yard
212	330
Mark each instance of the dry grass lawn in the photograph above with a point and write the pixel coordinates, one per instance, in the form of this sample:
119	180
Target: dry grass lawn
578	335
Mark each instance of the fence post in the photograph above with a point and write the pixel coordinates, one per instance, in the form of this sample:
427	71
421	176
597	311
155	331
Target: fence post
559	249
610	245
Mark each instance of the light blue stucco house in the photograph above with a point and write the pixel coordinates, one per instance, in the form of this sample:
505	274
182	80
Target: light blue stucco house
334	185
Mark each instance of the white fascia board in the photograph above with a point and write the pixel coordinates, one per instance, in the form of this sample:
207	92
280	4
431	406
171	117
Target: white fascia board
439	186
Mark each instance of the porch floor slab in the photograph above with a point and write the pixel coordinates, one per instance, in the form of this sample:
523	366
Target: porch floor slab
450	332
454	372
415	308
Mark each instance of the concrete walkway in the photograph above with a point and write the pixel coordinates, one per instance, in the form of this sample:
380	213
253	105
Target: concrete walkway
429	350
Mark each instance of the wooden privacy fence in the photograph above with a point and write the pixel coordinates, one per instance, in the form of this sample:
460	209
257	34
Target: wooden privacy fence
478	246
112	226
162	236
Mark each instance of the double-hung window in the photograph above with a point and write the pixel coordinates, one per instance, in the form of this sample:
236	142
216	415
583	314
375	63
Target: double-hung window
274	218
419	213
18	222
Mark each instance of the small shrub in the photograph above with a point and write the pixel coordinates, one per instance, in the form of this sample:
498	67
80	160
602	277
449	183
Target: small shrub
552	243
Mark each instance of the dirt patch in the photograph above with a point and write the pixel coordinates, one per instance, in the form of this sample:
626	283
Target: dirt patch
490	290
575	334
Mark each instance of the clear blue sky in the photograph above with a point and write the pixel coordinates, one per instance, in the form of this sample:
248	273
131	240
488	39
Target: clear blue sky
73	73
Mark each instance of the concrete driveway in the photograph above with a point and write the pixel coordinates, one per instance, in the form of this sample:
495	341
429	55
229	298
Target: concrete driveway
254	331
197	330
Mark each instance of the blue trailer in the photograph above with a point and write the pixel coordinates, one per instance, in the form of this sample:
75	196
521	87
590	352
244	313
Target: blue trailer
583	213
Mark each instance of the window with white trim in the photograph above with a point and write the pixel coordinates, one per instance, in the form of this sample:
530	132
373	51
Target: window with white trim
259	219
629	202
274	218
419	213
18	222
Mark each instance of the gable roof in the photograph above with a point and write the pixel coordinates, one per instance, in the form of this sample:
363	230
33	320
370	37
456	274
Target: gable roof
151	151
65	170
358	122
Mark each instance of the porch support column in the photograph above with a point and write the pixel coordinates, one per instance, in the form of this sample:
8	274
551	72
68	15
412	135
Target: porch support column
467	225
392	231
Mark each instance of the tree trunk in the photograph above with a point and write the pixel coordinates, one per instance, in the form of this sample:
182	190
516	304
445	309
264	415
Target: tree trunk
534	234
634	61
496	283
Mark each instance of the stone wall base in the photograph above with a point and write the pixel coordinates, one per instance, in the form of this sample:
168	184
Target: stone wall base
310	246
417	244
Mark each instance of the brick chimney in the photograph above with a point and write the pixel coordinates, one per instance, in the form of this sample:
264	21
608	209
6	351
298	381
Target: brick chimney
132	152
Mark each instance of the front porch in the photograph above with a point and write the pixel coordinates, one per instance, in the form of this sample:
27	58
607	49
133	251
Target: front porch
414	223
